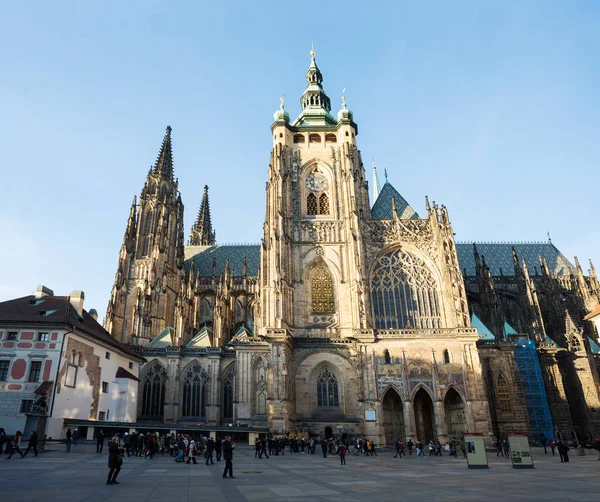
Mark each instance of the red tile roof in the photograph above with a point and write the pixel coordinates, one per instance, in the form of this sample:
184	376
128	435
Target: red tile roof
593	313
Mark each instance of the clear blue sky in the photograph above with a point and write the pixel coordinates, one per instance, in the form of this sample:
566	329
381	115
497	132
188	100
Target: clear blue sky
489	108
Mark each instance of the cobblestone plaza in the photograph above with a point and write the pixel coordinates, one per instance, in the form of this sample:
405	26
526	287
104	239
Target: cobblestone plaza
80	476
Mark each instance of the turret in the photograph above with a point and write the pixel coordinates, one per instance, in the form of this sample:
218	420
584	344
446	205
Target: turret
202	232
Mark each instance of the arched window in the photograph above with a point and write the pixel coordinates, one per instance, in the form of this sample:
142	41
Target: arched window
205	314
249	318
298	138
386	357
195	389
261	387
323	204
239	312
503	394
330	138
447	357
404	293
321	287
327	389
228	396
311	204
574	343
153	393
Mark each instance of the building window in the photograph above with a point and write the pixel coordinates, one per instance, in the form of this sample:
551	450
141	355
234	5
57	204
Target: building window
104	387
205	315
503	395
239	312
4	365
311	204
386	356
330	138
130	365
71	377
327	389
107	355
26	405
12	335
447	357
101	415
35	370
260	388
404	293
43	337
314	138
323	204
298	138
321	287
195	392
228	396
153	393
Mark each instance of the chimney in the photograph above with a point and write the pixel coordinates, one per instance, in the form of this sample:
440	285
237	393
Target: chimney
42	291
76	299
94	314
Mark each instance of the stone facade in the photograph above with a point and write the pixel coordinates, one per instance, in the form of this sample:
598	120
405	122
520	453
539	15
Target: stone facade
347	317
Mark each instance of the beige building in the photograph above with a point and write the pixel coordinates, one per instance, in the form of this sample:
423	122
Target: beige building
348	317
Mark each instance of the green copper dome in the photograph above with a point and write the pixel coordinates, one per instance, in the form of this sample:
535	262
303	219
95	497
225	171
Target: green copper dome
281	114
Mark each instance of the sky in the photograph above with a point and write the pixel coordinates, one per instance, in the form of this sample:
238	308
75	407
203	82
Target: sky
490	108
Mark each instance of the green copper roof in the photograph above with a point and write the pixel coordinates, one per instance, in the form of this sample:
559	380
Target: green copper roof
508	329
202	339
482	329
382	209
203	257
163	339
499	256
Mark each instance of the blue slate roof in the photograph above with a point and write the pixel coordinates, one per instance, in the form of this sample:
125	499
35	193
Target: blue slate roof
499	256
508	329
382	209
482	329
203	256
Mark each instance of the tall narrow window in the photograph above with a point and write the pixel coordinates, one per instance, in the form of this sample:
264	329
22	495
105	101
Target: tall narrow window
447	358
311	204
321	285
35	370
239	311
153	393
205	314
261	387
228	397
195	392
386	357
323	204
503	394
327	389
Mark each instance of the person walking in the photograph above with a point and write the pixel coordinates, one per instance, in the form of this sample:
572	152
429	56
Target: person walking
257	447
552	445
597	446
401	450
2	439
409	445
462	448
342	453
543	442
16	444
563	451
115	461
210	447
324	447
193	453
228	448
506	449
396	447
218	448
33	442
498	446
68	440
373	452
100	441
263	447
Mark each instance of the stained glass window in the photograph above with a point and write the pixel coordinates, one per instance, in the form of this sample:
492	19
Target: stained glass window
327	389
228	397
404	293
321	285
153	397
205	312
194	392
323	204
311	204
503	394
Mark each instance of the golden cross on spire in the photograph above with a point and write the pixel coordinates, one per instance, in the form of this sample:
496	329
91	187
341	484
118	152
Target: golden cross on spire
312	50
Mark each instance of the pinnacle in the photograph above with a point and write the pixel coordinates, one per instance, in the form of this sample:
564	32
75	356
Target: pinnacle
164	161
202	232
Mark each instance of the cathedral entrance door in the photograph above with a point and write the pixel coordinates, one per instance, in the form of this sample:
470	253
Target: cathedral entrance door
393	417
424	416
456	417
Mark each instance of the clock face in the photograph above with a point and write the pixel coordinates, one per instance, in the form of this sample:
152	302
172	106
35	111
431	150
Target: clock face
316	182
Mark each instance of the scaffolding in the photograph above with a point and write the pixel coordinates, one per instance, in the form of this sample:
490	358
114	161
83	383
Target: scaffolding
534	389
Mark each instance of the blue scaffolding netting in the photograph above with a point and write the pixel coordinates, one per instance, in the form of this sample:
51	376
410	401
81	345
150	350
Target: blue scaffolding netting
534	389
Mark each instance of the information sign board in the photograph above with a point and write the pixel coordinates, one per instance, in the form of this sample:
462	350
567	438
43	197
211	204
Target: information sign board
520	453
476	455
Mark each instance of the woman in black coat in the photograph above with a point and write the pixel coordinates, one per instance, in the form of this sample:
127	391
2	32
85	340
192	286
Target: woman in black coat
115	460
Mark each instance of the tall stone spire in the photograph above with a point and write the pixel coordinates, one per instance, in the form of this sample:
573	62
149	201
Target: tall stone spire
202	232
376	185
164	162
316	105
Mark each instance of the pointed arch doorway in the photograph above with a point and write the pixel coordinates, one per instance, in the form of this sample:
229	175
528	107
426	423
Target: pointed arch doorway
424	416
455	411
393	417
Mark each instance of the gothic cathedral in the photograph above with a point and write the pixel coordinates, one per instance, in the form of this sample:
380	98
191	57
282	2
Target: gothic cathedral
348	317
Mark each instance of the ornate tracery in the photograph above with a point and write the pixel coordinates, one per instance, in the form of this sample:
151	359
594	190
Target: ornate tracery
260	389
195	386
404	293
321	287
503	394
327	389
153	393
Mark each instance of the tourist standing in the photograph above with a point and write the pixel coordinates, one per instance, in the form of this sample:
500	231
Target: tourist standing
218	446
99	441
257	448
33	442
597	446
324	447
68	440
563	451
16	444
409	445
115	461
506	449
396	447
228	448
462	448
2	439
193	453
543	441
552	445
342	453
401	450
210	447
263	447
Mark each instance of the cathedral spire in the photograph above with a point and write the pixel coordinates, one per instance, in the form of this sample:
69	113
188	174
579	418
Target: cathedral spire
376	186
164	161
202	232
